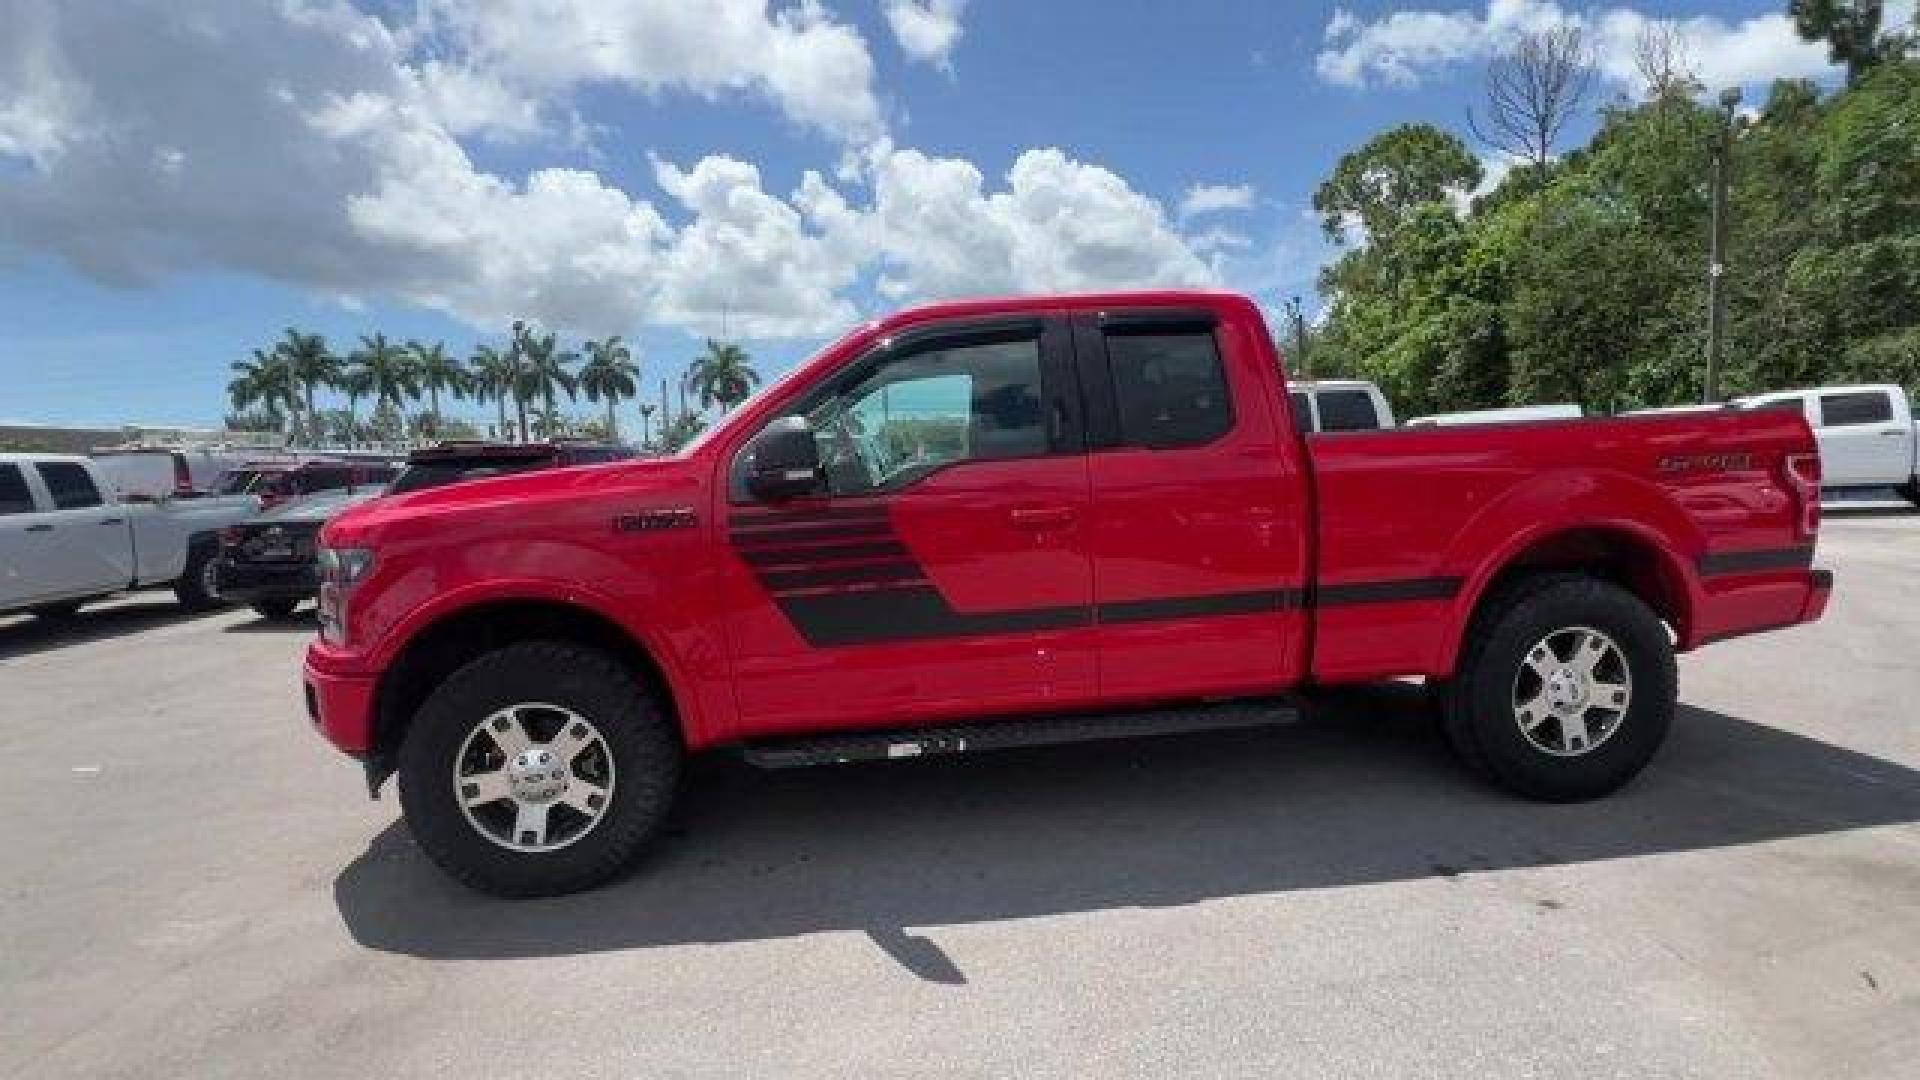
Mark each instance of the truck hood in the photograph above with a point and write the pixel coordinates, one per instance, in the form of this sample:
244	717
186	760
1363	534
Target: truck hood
518	494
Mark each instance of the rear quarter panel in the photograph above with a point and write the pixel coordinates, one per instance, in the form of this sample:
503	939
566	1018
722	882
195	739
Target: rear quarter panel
1443	510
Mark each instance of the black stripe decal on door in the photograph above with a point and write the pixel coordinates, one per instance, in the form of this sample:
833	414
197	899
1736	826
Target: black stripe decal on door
841	576
1387	592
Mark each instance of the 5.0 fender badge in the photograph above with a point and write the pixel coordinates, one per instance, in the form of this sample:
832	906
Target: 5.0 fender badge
676	517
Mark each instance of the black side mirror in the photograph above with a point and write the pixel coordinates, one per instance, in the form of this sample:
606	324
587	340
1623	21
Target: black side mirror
783	462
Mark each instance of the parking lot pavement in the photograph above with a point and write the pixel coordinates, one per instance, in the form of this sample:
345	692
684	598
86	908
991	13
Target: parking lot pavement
195	886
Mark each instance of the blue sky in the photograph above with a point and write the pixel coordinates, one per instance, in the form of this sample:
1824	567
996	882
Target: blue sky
434	170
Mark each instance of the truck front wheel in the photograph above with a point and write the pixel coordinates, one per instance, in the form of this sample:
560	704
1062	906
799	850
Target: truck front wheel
1566	688
538	769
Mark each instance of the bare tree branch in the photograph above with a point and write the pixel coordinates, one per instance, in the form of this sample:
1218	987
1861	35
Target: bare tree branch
1665	64
1533	89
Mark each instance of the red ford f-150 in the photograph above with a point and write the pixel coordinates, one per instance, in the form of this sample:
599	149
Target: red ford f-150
1047	519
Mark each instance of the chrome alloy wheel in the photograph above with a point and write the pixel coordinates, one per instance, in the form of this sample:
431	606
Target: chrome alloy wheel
534	777
210	578
1571	692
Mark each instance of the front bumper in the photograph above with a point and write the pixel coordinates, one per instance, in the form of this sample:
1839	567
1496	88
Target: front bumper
249	582
339	700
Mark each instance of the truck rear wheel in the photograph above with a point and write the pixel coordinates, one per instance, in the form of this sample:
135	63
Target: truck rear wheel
538	769
1565	689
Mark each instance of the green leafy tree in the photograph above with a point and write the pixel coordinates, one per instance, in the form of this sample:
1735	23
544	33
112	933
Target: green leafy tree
1377	185
609	375
723	374
1851	29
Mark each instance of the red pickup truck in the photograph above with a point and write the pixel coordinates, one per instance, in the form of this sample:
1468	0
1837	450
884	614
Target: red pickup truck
1046	519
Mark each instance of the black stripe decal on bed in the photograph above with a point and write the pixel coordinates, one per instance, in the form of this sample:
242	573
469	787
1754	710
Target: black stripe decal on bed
1755	561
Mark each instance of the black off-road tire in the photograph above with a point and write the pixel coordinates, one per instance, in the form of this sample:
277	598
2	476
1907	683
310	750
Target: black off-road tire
1910	491
640	738
1477	705
277	609
193	589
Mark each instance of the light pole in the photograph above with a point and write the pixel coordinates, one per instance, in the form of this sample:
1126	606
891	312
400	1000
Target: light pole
1717	243
1300	360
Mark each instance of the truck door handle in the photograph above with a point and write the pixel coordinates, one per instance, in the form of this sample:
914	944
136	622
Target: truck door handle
1042	517
112	521
42	527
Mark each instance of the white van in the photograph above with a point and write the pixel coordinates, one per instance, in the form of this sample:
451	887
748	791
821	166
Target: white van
1866	434
151	473
1339	405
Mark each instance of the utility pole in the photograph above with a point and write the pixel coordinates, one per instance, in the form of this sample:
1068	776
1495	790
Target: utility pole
1300	360
1717	255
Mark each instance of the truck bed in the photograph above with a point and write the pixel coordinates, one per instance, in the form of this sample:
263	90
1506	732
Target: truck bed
1424	516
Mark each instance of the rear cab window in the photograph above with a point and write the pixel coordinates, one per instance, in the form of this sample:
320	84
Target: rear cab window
1347	410
1169	387
15	496
1859	407
69	483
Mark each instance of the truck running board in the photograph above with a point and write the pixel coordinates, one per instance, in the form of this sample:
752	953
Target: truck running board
1005	734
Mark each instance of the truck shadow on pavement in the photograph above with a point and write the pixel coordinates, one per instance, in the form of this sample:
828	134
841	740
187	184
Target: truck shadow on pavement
26	635
1362	793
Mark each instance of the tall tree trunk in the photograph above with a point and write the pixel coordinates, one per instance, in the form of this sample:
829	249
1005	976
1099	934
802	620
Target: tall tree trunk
501	431
613	433
353	418
520	405
313	419
433	397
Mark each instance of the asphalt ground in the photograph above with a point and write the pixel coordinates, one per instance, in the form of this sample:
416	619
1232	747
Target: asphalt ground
195	886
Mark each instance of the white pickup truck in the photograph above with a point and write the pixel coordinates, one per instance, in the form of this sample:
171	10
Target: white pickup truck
1866	434
65	539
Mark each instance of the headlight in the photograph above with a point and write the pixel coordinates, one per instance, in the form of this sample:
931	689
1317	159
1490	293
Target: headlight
340	568
344	566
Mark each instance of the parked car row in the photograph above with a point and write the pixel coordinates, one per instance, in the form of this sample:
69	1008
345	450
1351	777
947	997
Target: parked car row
271	561
67	537
76	529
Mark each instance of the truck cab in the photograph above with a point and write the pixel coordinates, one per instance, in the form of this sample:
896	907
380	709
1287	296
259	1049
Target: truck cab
65	539
1866	434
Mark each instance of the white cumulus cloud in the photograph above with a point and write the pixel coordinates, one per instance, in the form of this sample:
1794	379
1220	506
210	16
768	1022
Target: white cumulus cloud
1410	46
927	30
1213	198
315	144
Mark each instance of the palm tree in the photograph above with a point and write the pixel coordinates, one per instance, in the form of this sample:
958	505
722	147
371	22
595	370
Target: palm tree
550	423
723	374
356	383
437	371
386	372
543	367
646	415
491	374
310	364
261	380
611	375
